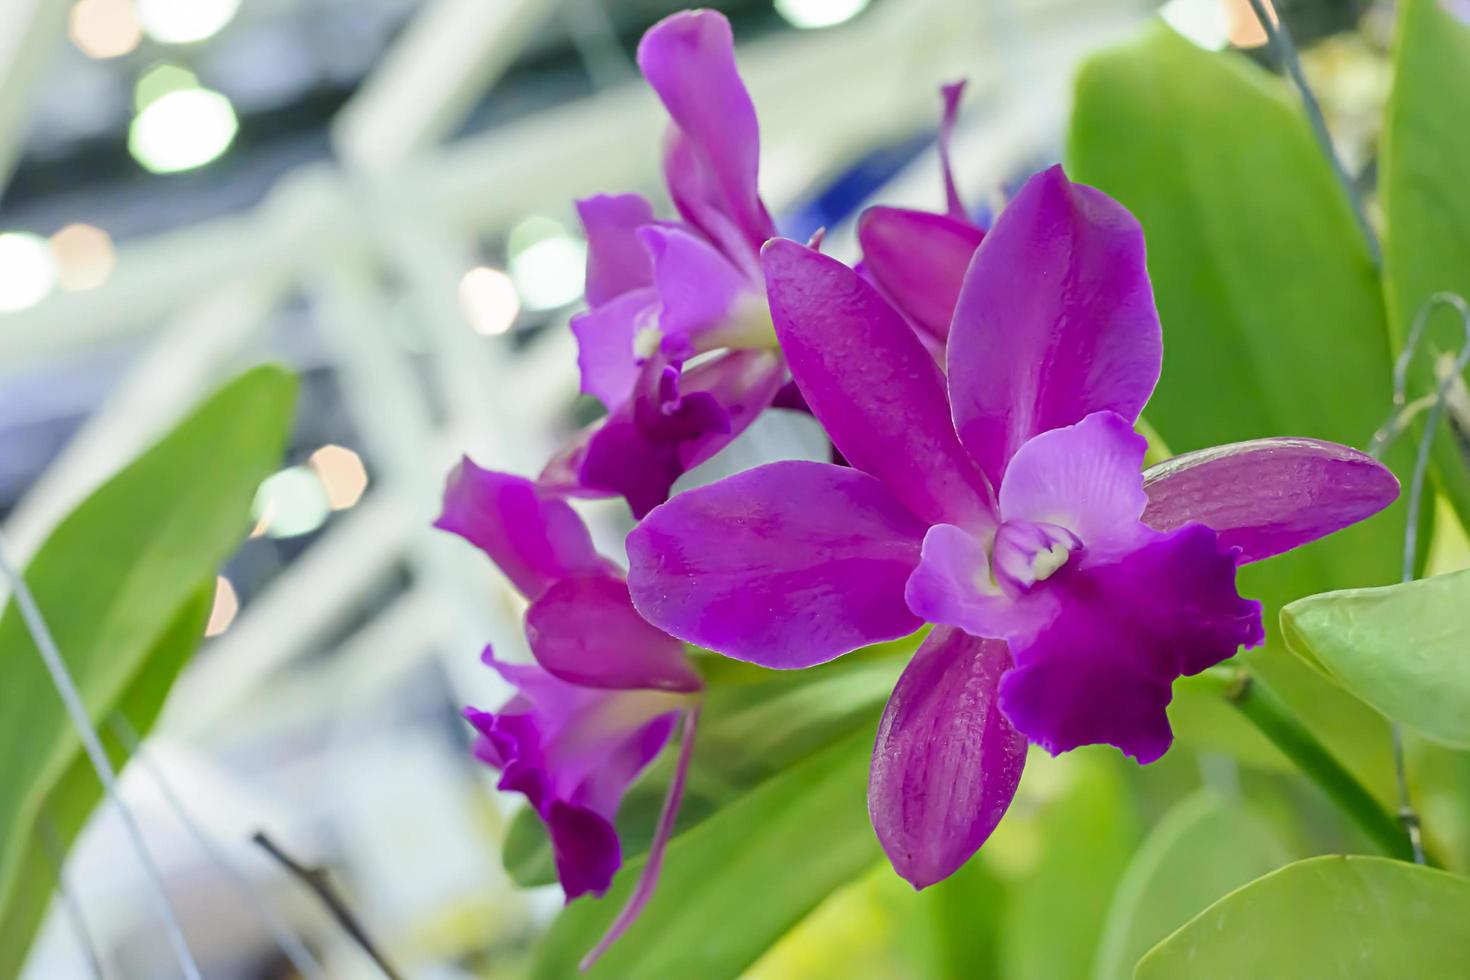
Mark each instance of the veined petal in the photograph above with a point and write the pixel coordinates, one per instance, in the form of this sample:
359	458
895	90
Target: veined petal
947	761
532	535
616	262
919	260
1056	320
1102	670
586	631
787	565
953	585
606	336
689	59
1084	477
705	301
1268	496
869	381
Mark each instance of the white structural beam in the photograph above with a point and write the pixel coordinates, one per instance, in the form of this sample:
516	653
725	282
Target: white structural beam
452	52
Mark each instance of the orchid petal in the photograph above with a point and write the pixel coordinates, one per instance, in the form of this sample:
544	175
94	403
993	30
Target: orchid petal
1056	320
871	384
1084	477
689	59
703	297
605	344
616	262
919	261
947	762
639	451
951	93
1101	671
1268	496
534	537
586	631
953	585
787	565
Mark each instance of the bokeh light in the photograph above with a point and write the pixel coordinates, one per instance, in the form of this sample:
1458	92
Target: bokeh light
226	605
84	257
27	270
546	263
179	125
1244	27
105	28
808	14
344	479
489	300
1205	22
185	21
291	503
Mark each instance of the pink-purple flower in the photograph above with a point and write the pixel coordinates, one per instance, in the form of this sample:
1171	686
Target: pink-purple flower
1001	498
662	292
604	696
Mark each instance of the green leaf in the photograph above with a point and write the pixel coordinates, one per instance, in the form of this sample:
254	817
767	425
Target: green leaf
1426	199
1401	648
1273	316
1085	835
735	884
755	724
1202	849
113	579
71	800
1326	917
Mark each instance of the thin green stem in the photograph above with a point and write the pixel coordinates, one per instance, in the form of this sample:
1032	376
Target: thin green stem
1275	720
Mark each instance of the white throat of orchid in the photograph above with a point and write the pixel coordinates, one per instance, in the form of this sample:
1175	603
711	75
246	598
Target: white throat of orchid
1027	552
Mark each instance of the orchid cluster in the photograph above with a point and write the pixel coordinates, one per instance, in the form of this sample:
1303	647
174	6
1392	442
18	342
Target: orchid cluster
980	388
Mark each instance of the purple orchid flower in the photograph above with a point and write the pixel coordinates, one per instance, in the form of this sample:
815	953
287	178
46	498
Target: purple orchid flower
1067	602
664	292
602	700
917	259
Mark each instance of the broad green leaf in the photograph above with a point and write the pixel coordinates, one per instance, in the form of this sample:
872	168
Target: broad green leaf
1201	850
1426	198
71	800
112	578
755	724
1083	833
1401	648
958	922
732	886
1273	316
1326	917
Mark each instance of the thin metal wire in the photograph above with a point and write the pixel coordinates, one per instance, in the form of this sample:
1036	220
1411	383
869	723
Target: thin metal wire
92	743
1397	423
56	857
1279	35
291	945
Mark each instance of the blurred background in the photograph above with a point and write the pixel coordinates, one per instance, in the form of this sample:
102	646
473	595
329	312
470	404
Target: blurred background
378	193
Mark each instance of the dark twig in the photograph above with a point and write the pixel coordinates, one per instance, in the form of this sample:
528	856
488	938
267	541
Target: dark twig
1280	38
316	879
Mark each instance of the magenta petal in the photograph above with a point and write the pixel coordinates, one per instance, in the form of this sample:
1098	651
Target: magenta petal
1056	320
1268	496
786	565
919	260
947	762
586	631
871	384
585	847
951	93
953	585
1085	477
699	290
605	344
1102	670
616	262
532	535
689	59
